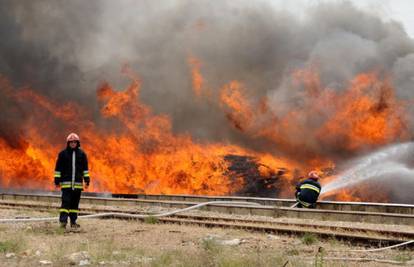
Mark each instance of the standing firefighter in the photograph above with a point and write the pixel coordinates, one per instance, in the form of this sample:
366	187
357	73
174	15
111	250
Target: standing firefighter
307	191
70	172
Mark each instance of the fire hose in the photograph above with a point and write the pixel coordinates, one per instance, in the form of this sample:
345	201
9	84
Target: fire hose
132	216
370	250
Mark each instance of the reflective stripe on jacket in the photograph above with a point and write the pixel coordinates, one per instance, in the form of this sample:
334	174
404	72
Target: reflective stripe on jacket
308	191
72	169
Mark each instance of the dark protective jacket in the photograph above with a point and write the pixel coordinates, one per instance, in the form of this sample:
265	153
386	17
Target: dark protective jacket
72	169
307	192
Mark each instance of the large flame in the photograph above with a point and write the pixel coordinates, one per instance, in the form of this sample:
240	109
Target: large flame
138	153
364	115
367	114
132	150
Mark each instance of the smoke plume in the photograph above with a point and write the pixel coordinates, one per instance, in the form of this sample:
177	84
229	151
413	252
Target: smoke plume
287	67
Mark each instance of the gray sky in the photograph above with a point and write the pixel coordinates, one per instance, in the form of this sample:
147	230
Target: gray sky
399	10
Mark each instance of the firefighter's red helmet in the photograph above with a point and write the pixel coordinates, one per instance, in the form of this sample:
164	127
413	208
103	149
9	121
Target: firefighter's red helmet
72	137
313	174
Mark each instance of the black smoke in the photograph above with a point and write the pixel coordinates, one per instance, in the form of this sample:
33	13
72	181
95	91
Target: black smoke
65	49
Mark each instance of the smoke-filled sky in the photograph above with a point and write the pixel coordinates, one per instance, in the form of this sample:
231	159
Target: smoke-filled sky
398	10
65	49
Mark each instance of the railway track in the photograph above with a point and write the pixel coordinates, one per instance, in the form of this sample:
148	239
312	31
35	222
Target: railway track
323	230
323	205
402	214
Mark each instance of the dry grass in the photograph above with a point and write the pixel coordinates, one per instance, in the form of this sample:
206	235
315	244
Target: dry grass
134	243
13	245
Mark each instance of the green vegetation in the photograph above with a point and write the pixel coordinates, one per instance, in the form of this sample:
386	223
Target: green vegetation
292	252
151	220
14	244
9	246
309	239
403	256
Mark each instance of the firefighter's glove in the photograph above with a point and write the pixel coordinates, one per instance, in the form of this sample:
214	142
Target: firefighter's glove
57	182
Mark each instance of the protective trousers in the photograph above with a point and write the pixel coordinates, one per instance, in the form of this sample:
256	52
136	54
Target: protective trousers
70	205
303	204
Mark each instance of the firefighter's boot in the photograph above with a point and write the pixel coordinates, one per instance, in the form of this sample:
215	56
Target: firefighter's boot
74	226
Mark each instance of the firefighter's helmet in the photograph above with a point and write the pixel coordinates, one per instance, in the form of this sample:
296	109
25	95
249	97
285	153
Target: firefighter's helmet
313	174
72	137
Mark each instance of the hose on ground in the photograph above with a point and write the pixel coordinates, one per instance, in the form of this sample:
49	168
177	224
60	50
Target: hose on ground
383	248
132	216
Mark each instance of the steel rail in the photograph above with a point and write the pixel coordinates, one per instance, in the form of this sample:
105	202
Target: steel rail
323	205
270	211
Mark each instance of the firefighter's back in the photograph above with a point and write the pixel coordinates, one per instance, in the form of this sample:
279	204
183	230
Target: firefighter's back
309	191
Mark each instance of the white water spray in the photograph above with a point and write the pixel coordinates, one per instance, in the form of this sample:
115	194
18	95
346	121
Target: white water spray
390	161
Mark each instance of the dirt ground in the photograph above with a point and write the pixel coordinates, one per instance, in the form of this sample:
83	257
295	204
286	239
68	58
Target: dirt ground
135	243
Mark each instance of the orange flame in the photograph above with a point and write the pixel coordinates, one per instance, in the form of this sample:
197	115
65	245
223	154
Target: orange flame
132	150
239	109
139	153
198	79
367	114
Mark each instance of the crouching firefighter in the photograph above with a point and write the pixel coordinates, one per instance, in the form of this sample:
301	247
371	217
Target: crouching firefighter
70	173
307	191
